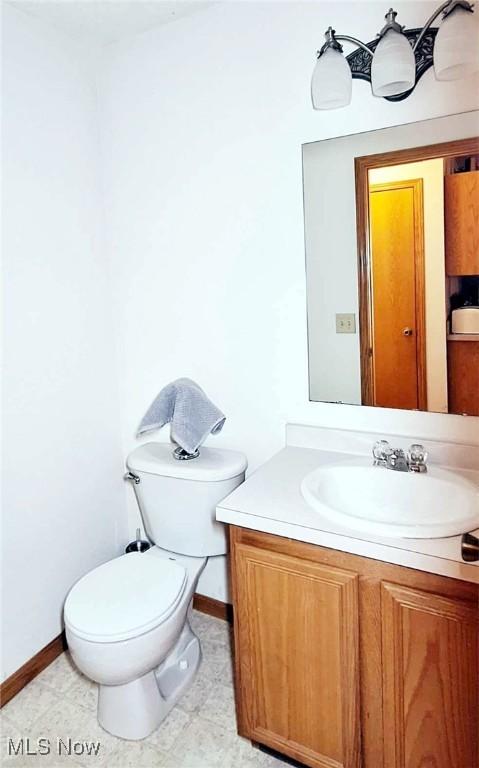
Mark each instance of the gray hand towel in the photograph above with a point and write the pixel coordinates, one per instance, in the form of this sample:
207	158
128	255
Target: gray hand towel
192	415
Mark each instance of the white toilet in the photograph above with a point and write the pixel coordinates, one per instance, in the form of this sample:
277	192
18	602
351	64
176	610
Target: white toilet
126	621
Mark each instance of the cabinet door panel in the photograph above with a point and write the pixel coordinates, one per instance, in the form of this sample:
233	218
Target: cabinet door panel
463	377
297	626
462	223
430	680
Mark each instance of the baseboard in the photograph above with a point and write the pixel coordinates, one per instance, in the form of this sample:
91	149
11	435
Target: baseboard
213	607
13	684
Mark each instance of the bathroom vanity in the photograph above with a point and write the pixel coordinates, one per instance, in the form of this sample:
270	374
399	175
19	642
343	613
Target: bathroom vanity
351	650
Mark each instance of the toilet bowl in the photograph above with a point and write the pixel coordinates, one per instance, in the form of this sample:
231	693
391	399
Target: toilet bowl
126	621
122	621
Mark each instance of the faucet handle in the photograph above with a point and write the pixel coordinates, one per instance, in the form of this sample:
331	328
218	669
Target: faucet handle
417	458
381	451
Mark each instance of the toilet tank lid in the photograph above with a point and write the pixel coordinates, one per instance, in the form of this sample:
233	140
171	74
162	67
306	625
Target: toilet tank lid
212	465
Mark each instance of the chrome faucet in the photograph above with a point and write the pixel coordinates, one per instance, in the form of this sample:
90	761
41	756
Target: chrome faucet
415	460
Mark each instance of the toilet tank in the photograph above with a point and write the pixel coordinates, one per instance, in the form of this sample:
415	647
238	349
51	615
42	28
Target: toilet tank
177	499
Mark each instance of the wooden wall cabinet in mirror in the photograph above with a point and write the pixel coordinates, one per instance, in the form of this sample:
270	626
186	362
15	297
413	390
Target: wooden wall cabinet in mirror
462	221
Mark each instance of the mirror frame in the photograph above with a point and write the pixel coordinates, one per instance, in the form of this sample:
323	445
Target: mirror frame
362	165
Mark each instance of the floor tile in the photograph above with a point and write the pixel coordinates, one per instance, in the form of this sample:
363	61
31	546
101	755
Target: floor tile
200	622
59	675
196	695
64	721
215	656
83	692
170	730
72	728
24	754
219	708
136	754
203	745
210	628
28	705
94	733
226	674
8	733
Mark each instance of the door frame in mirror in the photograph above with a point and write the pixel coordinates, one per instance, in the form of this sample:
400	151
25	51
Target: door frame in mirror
362	165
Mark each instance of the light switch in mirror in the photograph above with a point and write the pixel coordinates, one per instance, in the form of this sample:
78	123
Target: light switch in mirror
345	323
392	239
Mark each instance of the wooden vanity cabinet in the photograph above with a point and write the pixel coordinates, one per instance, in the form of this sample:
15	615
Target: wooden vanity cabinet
346	662
297	631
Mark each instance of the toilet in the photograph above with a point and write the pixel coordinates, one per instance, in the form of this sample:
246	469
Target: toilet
126	621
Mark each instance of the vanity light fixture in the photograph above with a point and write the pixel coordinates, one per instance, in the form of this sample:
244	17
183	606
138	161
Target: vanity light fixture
397	59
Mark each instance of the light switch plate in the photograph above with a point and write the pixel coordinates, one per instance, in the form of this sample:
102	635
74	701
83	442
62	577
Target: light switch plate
346	323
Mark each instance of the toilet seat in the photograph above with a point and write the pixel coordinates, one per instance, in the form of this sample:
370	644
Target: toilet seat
124	598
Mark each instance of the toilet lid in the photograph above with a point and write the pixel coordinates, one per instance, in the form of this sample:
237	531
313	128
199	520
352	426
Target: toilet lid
124	598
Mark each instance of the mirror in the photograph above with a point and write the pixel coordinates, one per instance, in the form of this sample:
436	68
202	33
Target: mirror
392	262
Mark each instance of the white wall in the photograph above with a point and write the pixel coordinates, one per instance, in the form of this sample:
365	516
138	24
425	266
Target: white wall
432	174
63	498
203	123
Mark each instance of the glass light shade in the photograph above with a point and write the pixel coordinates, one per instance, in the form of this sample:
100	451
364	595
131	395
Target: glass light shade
456	48
393	68
331	84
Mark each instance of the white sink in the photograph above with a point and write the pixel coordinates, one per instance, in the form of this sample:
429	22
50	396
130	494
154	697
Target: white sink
384	502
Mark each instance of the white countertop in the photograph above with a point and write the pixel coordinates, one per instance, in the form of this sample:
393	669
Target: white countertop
270	501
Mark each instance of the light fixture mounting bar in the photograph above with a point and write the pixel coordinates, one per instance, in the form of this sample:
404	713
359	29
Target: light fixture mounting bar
356	41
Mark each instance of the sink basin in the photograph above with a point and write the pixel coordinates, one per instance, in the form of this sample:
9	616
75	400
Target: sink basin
384	502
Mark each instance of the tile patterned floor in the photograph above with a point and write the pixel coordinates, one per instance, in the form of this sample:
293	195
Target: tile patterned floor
199	733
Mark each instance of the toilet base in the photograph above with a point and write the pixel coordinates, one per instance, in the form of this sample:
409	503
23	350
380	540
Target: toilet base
134	710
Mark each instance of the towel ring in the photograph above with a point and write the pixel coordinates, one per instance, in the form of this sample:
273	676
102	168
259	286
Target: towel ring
181	455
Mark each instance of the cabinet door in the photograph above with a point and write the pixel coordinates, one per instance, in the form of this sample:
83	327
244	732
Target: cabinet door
296	625
430	680
461	202
463	376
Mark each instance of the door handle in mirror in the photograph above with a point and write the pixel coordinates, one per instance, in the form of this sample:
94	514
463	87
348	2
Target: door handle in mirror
407	331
